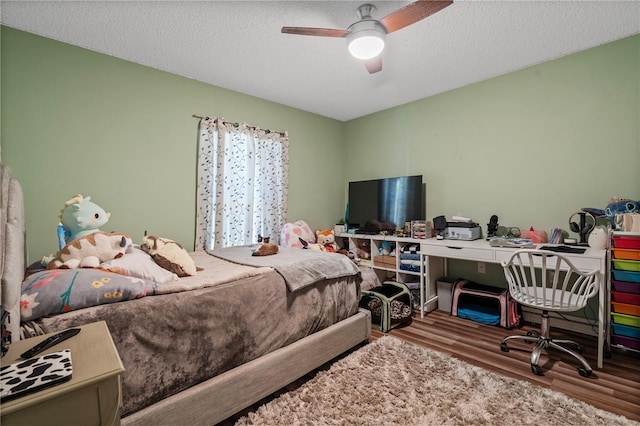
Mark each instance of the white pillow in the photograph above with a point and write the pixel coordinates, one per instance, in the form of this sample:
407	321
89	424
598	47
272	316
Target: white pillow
137	263
292	232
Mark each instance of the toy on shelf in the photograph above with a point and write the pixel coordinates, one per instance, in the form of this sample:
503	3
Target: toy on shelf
327	238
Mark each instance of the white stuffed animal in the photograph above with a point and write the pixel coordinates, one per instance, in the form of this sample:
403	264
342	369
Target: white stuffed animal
170	255
91	250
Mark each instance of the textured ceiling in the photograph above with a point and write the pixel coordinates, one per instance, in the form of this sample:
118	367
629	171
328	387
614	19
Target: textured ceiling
238	45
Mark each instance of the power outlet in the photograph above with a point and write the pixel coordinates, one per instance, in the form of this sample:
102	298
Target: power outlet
482	268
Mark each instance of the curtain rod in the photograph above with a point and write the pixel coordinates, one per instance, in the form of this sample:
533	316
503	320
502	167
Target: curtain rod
236	125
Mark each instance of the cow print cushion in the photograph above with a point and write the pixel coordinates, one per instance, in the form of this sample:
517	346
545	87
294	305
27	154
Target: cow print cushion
34	374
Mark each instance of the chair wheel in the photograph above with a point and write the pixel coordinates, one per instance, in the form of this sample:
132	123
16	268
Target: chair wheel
504	347
584	372
537	370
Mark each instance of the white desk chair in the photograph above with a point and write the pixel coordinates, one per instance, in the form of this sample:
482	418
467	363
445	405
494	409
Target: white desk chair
548	281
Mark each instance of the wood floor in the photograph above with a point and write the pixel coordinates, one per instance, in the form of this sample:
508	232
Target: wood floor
615	388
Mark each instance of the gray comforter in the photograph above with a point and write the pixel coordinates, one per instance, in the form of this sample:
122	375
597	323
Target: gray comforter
171	342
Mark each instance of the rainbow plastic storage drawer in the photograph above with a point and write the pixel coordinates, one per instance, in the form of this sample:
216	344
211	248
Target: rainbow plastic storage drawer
625	319
625	308
626	242
628	254
629	276
627	342
626	330
627	265
626	287
628	298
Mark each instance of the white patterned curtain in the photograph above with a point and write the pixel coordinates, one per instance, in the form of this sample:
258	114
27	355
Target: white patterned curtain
242	184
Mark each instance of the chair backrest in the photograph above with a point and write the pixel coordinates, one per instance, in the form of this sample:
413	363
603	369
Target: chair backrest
549	281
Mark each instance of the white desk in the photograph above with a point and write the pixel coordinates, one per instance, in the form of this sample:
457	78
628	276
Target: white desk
435	252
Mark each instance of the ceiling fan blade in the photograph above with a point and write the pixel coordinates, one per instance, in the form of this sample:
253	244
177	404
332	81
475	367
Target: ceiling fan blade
374	65
412	13
321	32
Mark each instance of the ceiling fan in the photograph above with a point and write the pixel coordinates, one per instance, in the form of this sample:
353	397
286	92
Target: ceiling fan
365	38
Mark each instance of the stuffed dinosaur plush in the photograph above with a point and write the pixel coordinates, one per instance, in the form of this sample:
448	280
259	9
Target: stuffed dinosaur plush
80	217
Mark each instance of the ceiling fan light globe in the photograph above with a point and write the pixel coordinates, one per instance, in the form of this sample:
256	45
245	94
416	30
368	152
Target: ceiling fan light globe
366	44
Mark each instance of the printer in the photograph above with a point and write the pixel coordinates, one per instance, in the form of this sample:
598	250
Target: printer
466	230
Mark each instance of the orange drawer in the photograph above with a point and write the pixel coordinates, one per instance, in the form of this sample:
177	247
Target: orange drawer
625	308
627	254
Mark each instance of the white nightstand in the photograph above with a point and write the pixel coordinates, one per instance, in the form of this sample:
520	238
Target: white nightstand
91	397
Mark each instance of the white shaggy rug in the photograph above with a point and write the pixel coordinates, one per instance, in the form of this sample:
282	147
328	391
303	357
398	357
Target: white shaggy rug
392	382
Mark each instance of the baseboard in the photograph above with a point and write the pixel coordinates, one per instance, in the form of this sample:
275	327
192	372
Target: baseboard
569	322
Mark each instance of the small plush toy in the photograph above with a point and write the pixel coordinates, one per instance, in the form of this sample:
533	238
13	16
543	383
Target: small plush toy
80	216
312	246
170	255
91	250
620	206
363	249
327	238
385	248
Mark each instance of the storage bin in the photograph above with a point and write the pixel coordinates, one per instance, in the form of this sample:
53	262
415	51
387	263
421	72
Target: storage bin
627	342
625	319
628	254
627	265
626	242
444	289
384	261
630	298
630	276
624	308
626	330
626	287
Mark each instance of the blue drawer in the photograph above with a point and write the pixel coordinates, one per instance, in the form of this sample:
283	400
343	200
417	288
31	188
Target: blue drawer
619	275
626	330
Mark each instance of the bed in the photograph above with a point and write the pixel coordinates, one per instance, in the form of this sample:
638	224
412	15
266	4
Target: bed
199	349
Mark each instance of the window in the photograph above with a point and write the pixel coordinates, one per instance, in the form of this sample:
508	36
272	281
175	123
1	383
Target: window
242	184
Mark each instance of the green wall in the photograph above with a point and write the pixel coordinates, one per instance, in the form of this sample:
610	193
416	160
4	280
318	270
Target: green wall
532	146
76	121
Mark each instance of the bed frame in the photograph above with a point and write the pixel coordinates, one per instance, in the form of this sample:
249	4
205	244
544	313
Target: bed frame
209	402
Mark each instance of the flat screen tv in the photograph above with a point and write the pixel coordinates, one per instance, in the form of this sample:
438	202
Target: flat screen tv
385	204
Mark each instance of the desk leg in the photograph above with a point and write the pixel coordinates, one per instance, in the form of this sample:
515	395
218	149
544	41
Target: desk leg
434	268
